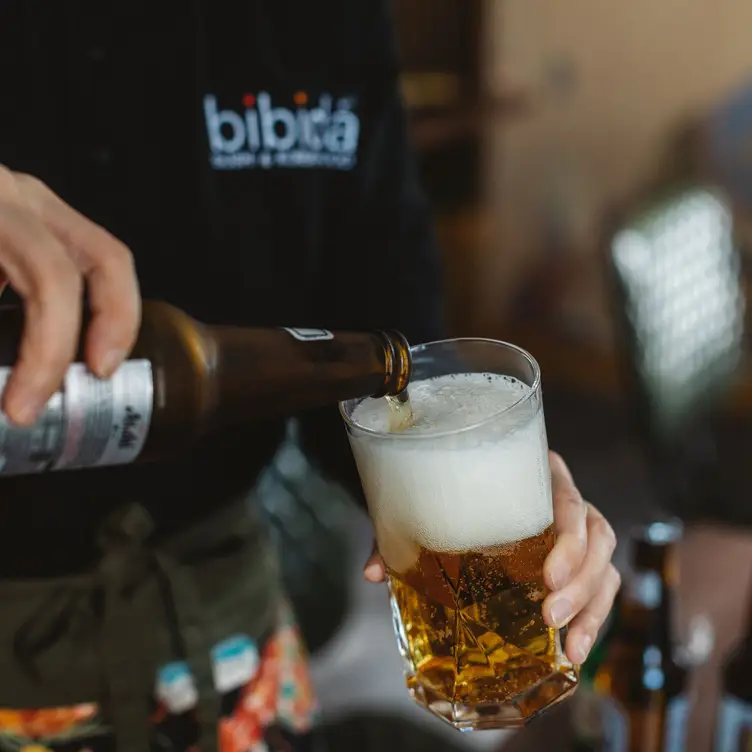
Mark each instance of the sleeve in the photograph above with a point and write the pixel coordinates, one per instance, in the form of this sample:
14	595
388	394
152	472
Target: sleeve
386	261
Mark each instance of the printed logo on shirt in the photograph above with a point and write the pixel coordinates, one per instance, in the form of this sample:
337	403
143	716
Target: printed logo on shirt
295	132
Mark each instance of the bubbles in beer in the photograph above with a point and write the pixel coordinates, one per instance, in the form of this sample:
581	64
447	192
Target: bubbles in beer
446	483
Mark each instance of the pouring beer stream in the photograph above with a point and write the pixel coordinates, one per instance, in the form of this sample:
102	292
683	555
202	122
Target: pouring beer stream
400	411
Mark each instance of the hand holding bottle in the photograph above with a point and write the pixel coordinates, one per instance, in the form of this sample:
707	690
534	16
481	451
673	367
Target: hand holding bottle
49	253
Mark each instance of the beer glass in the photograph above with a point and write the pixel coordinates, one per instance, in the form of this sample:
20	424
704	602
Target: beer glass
461	506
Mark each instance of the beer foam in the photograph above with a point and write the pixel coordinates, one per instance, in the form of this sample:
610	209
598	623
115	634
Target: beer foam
447	489
447	403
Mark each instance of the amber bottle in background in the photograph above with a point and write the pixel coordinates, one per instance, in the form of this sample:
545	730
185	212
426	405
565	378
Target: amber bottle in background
184	379
643	687
587	705
734	723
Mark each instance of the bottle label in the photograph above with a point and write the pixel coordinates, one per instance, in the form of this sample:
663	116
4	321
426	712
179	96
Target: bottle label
645	588
176	688
235	662
616	726
677	716
90	422
734	726
310	335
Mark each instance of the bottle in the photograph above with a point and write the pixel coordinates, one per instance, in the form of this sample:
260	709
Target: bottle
642	685
587	710
184	379
734	730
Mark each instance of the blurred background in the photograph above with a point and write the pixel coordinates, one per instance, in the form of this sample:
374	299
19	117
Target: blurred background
590	166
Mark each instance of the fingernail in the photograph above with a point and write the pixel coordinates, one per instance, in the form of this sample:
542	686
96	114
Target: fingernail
582	650
561	611
110	361
560	574
373	572
26	414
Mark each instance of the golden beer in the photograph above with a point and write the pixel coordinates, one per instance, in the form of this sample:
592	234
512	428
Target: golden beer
461	505
472	618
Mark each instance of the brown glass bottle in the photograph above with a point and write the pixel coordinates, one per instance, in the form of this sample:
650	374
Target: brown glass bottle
184	378
734	724
642	686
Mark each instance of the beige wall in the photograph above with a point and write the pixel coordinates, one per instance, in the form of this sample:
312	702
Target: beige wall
639	69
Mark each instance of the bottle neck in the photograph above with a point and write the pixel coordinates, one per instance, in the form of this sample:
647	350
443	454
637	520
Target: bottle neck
737	664
748	633
648	596
398	364
259	373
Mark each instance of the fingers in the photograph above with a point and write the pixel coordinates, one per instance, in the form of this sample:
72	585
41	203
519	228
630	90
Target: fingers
42	273
108	267
584	627
562	606
570	512
47	249
374	570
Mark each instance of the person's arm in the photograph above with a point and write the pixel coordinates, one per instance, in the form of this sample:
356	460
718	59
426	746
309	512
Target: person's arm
386	262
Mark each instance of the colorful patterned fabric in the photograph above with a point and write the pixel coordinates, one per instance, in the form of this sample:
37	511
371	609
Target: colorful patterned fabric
267	701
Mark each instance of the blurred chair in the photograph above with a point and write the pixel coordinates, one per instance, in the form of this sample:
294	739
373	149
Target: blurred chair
680	310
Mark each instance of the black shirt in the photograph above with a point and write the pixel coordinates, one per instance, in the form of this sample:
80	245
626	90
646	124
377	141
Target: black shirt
253	155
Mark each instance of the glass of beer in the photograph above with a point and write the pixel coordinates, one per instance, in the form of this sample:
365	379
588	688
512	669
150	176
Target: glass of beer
460	499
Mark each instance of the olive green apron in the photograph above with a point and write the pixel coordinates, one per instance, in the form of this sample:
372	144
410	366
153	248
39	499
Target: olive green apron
101	636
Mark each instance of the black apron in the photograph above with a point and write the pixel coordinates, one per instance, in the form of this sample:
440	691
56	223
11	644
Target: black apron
100	637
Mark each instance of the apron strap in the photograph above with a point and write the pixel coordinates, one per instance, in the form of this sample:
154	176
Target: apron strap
191	632
126	670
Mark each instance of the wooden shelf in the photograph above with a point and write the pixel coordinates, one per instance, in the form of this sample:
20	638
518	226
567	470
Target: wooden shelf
587	368
568	363
434	129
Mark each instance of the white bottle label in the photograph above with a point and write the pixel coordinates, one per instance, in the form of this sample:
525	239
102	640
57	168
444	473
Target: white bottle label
645	588
235	662
90	422
734	726
616	726
176	688
675	732
310	335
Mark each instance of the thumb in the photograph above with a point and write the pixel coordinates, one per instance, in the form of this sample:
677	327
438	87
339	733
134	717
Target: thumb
374	570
